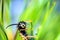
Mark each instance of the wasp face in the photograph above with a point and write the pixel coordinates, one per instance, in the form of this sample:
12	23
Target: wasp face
22	25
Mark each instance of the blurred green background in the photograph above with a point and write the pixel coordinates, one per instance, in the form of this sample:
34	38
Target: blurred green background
45	16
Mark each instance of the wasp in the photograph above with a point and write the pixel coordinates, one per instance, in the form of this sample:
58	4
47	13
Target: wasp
21	26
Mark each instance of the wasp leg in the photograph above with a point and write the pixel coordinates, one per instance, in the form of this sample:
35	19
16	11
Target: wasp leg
24	37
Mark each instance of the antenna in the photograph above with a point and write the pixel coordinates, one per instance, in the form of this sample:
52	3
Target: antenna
11	25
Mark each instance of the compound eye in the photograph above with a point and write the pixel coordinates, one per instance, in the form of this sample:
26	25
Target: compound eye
23	24
19	24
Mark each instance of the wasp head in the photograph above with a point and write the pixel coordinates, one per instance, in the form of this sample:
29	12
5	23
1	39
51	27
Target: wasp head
21	25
